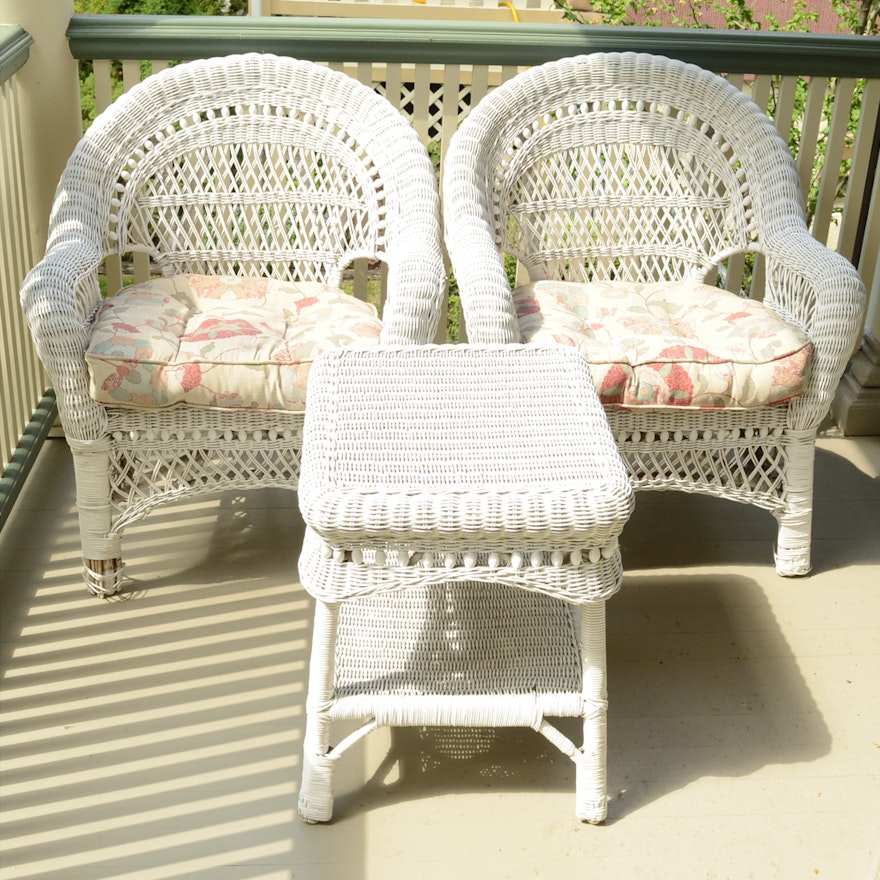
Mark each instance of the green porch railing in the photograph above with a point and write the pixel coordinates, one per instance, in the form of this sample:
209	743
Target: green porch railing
26	412
462	42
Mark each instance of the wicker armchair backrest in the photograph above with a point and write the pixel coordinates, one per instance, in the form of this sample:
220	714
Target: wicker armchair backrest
248	166
627	166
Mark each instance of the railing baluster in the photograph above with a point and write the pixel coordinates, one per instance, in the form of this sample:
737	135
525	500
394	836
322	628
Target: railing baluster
11	403
785	105
810	125
103	84
761	90
858	188
830	178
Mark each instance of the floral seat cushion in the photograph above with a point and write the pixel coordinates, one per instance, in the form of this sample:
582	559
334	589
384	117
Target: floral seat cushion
219	342
669	344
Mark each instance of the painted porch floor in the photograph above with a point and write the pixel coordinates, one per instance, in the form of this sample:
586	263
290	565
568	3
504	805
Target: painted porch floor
159	736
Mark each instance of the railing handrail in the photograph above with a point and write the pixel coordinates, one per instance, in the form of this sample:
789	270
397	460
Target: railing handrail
462	42
15	43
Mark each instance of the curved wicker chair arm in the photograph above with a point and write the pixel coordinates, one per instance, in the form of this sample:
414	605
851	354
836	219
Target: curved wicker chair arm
416	275
414	246
470	237
820	291
58	299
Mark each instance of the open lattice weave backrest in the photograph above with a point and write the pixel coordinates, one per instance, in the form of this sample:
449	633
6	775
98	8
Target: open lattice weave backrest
630	167
256	165
276	197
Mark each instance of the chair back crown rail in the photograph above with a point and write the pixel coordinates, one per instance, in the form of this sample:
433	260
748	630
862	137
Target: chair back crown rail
682	177
168	195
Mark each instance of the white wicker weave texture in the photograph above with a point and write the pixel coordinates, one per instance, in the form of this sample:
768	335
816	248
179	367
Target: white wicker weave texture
461	542
249	165
613	169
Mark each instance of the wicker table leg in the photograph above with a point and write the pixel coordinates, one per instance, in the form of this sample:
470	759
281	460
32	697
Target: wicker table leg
590	764
316	787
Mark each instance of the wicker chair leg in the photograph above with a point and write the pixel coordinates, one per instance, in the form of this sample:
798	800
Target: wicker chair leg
795	521
316	786
101	547
591	784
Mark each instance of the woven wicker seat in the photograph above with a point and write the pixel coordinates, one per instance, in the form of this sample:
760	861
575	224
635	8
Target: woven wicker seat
460	544
251	182
626	186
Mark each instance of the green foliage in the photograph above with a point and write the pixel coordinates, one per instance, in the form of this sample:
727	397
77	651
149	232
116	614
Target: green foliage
453	310
150	7
434	153
860	17
856	16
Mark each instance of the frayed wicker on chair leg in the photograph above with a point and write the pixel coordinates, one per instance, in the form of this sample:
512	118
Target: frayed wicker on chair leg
103	577
101	545
590	806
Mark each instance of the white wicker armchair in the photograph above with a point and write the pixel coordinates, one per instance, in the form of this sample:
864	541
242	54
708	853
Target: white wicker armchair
251	182
626	185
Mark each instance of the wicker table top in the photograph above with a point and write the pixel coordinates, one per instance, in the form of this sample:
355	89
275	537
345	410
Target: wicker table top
443	460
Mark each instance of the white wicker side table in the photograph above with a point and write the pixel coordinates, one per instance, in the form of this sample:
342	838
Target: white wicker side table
463	506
